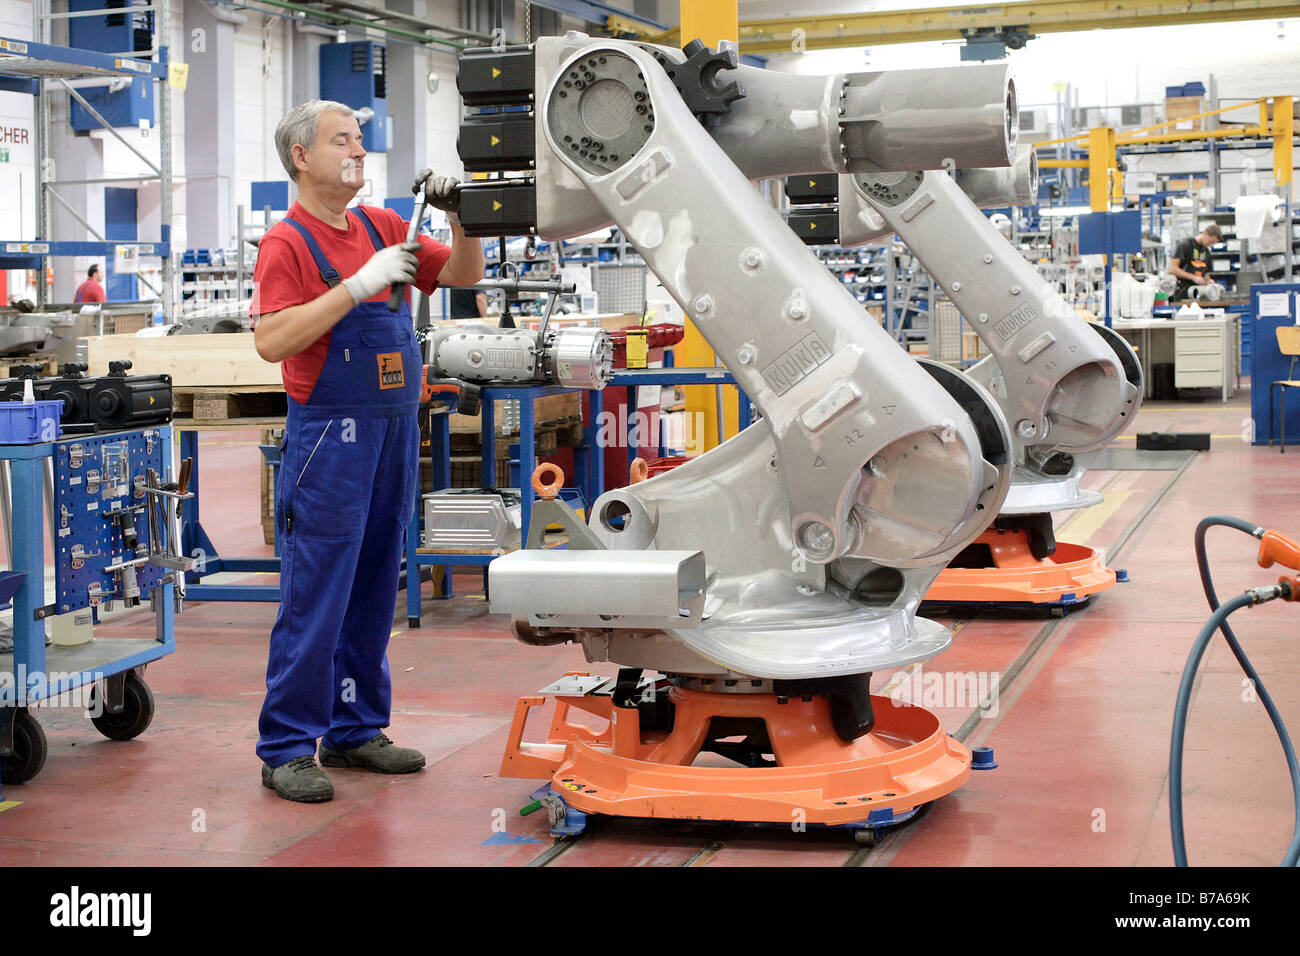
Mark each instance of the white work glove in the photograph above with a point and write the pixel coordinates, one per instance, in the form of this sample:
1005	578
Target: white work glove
386	267
441	193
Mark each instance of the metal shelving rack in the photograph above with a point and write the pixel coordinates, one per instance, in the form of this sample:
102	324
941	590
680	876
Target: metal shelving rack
28	67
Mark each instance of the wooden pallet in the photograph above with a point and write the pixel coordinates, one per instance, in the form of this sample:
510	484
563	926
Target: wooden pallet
546	438
230	404
549	408
49	366
269	437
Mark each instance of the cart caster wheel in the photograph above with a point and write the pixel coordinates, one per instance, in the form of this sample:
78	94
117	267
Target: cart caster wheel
866	837
136	715
1057	612
412	622
30	749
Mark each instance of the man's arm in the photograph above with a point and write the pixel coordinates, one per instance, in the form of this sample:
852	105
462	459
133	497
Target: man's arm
287	332
1176	269
465	266
279	335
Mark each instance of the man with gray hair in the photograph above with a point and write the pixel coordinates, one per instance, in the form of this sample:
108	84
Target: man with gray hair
349	462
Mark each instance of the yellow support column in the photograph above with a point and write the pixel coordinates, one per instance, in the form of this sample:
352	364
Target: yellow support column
710	21
1101	166
1283	131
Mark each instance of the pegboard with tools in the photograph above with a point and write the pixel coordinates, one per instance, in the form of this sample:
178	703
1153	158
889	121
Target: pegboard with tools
114	517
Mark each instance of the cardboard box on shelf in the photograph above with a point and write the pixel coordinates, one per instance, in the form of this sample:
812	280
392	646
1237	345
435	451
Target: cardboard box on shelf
547	409
1179	107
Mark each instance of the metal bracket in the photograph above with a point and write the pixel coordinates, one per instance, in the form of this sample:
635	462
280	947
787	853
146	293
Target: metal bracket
7	730
115	693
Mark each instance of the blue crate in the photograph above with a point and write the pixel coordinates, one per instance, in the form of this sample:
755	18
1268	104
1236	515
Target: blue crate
30	424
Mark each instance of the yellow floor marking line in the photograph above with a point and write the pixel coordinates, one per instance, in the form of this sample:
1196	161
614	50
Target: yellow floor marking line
1093	518
899	678
9	804
1078	512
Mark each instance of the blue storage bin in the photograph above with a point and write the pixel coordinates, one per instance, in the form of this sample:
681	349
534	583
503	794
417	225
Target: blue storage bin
30	424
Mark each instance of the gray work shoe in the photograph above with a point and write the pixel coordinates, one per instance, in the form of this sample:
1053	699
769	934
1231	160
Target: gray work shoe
380	755
299	780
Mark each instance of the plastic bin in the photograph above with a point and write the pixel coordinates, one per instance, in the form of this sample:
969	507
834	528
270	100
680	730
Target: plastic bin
22	424
1132	296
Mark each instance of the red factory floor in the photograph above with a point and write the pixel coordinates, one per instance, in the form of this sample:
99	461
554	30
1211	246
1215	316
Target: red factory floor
1081	734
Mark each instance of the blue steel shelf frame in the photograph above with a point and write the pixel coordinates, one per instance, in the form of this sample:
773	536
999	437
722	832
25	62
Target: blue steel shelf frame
196	544
589	461
32	665
588	464
27	66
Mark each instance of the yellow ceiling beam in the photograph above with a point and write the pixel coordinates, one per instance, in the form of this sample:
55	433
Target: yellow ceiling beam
1036	16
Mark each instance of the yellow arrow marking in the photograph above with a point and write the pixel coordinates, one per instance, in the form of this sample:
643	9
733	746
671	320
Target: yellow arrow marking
495	72
812	225
495	140
495	205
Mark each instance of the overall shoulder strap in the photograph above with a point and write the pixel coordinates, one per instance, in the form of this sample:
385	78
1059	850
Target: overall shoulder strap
328	273
370	227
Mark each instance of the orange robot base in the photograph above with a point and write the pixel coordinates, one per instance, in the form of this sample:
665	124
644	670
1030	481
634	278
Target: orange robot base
620	770
1070	576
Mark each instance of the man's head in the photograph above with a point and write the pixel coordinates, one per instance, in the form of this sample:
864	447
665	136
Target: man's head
1210	235
320	148
94	273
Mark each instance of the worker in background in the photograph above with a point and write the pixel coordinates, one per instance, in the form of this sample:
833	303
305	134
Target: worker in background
349	462
466	304
1190	263
91	290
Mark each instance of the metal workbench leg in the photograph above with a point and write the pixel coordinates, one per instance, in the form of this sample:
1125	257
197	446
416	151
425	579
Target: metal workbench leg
28	531
527	464
488	436
440	456
194	540
596	454
1228	360
440	450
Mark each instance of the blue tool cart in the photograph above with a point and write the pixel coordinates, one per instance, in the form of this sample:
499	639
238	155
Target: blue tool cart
111	505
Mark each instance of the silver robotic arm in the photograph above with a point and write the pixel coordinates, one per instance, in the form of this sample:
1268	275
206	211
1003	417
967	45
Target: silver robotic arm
1064	385
822	525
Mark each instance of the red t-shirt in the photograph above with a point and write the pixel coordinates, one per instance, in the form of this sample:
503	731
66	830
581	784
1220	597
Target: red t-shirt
286	275
90	291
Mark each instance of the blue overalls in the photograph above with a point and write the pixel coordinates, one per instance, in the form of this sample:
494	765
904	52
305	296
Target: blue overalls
345	493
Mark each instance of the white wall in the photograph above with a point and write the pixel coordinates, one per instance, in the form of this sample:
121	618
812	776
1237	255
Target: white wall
1108	67
18	175
1113	68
